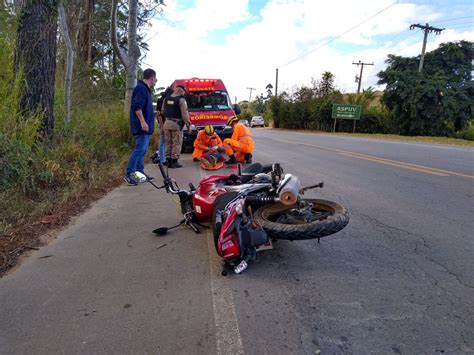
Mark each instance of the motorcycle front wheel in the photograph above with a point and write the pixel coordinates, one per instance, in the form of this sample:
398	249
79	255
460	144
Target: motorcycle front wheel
313	218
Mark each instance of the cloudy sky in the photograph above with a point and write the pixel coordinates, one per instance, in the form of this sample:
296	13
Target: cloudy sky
244	41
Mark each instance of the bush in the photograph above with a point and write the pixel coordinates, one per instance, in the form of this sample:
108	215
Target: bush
373	120
467	134
14	162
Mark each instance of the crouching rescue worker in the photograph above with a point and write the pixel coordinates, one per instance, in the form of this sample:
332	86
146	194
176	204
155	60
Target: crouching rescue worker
176	112
240	146
206	141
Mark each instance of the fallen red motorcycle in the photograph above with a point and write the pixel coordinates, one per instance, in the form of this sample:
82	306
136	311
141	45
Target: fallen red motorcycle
252	208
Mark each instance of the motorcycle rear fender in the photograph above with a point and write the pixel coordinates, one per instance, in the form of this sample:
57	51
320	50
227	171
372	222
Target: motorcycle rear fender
230	239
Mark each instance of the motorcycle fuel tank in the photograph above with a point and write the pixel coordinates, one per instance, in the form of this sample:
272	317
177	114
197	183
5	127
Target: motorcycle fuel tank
203	200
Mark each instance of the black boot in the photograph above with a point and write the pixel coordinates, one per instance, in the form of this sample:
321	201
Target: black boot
248	158
231	160
174	164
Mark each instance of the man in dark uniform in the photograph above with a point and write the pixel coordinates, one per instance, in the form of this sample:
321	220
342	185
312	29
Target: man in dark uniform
176	112
160	154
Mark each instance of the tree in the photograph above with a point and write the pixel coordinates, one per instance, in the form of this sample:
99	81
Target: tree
437	101
129	55
365	98
69	61
86	31
326	85
129	59
36	57
269	89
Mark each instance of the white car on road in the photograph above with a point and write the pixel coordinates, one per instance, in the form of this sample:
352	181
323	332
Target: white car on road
257	121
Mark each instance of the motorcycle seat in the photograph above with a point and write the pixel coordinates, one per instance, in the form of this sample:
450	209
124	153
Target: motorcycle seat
250	171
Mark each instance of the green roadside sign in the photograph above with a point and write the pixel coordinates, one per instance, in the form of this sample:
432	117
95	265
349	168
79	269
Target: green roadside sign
347	112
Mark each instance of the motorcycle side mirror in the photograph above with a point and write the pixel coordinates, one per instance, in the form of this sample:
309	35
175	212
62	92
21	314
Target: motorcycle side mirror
278	170
161	231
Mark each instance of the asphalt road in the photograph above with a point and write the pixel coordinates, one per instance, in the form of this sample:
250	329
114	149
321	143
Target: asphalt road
398	279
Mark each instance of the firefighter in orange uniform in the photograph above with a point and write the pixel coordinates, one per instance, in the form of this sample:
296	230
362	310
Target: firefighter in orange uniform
206	139
240	146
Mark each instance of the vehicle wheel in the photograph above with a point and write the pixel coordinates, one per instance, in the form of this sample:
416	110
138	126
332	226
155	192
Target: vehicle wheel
219	204
284	222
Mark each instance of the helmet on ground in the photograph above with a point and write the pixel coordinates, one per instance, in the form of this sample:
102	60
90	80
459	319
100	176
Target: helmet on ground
209	129
231	120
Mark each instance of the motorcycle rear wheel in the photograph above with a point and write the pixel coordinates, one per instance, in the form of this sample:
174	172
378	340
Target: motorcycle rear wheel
283	222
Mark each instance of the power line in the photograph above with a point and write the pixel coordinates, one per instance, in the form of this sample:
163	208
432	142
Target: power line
454	25
401	40
340	35
398	35
453	19
460	27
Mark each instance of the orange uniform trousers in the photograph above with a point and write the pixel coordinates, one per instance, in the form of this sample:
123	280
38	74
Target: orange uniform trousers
240	143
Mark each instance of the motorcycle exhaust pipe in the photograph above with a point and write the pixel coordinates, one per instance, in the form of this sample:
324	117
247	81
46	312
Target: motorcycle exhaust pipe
289	191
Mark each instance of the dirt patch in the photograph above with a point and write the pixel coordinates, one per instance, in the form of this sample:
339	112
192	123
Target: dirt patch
31	235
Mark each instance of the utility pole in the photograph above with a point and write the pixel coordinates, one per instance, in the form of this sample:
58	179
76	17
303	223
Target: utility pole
427	29
251	89
359	79
276	83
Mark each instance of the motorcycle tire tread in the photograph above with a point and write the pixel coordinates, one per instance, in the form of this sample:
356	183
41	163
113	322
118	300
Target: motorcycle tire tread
317	229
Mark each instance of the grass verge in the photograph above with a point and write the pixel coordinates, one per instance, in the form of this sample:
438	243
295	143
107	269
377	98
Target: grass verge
31	218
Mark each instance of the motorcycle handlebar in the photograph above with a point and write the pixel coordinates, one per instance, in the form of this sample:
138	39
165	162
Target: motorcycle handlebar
168	183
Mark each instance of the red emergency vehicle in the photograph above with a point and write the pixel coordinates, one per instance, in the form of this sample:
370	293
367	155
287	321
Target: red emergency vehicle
208	104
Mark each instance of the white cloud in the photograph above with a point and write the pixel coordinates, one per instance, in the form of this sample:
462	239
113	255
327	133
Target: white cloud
283	31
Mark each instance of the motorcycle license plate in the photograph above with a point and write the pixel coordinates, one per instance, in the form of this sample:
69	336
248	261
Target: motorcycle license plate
268	245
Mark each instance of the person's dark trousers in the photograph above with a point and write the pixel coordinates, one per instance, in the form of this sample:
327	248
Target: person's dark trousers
137	158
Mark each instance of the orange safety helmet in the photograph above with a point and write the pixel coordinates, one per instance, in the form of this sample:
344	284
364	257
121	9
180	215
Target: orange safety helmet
209	129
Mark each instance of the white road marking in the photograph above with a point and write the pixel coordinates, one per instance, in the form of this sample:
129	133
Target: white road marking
228	339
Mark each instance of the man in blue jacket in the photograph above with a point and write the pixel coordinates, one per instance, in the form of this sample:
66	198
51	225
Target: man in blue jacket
142	124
